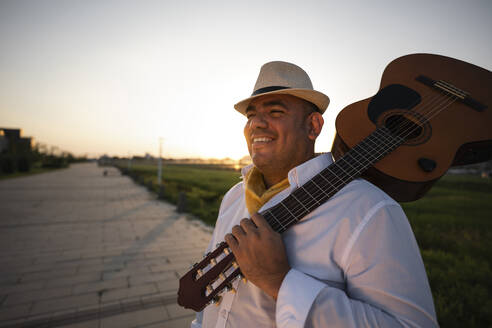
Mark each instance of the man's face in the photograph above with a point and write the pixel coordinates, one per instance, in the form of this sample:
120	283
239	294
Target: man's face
277	132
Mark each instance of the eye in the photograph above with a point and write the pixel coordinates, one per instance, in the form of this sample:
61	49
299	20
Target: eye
276	112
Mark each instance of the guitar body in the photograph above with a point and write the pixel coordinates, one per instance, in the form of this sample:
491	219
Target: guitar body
450	122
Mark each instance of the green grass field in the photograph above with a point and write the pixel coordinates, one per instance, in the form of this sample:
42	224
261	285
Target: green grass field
452	225
204	186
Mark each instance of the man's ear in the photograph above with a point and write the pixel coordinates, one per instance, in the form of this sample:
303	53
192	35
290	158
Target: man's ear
315	124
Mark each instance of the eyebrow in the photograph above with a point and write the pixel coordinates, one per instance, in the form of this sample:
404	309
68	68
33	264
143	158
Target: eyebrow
268	104
250	108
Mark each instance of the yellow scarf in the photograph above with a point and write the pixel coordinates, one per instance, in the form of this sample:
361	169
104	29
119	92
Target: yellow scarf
256	193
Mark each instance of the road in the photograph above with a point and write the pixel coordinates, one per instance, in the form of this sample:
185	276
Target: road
79	249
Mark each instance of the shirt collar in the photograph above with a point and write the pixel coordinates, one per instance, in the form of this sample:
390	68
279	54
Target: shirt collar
301	174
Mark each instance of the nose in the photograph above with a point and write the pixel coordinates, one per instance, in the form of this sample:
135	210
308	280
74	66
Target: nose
258	122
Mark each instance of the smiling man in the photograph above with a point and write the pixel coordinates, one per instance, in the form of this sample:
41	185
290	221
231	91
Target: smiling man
352	262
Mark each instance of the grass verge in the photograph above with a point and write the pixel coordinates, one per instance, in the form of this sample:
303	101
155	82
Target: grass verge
34	170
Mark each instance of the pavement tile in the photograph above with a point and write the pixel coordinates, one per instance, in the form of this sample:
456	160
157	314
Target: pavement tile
81	278
125	272
144	279
135	319
131	304
72	240
44	275
168	285
19	288
174	323
14	312
62	303
14	323
98	286
176	311
64	312
101	267
9	279
122	293
84	324
42	294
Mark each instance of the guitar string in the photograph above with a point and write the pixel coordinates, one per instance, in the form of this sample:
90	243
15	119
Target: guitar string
378	133
336	188
322	189
340	161
411	129
361	155
283	216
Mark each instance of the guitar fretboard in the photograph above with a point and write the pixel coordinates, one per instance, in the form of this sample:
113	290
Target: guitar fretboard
329	181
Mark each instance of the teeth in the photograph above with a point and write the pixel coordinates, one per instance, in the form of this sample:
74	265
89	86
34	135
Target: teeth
262	139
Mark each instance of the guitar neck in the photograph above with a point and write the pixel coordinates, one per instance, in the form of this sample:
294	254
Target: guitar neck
329	181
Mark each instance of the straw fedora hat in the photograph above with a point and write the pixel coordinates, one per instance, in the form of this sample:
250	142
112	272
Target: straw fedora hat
278	77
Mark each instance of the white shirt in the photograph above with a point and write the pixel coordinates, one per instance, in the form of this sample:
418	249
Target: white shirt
354	260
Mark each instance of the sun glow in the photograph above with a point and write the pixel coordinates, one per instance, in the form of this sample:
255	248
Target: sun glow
93	79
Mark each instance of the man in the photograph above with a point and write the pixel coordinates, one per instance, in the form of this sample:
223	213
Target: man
352	262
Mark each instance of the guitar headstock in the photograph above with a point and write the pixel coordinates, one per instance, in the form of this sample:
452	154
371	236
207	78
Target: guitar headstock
207	279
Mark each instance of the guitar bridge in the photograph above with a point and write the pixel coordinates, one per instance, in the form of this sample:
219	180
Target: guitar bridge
452	90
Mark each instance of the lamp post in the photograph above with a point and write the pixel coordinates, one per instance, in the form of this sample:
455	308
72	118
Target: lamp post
159	164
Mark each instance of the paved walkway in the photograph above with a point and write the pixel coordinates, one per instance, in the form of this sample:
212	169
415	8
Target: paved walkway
78	249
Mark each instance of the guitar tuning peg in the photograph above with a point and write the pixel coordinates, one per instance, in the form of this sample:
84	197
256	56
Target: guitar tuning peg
243	279
235	265
199	273
213	262
229	288
222	276
209	289
216	300
227	251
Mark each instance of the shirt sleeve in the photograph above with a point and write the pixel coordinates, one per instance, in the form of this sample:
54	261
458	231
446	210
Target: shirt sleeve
385	282
197	323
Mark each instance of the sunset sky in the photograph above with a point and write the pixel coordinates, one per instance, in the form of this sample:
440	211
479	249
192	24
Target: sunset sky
111	77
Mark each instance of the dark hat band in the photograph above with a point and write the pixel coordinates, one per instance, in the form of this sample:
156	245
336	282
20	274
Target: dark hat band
268	89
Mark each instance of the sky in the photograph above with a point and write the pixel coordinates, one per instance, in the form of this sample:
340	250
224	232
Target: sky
100	77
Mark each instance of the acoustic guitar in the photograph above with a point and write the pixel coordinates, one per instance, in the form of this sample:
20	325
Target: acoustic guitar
431	112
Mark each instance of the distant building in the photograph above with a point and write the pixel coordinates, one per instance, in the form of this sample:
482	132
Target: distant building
4	143
12	142
15	151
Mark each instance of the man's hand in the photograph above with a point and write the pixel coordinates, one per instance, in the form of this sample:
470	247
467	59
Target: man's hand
260	253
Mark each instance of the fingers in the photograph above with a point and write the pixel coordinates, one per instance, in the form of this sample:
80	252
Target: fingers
260	222
231	241
238	232
248	225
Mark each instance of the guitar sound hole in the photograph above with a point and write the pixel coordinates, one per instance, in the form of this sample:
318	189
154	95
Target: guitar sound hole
403	127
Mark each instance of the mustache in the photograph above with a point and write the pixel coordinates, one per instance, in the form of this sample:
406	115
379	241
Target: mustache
261	133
